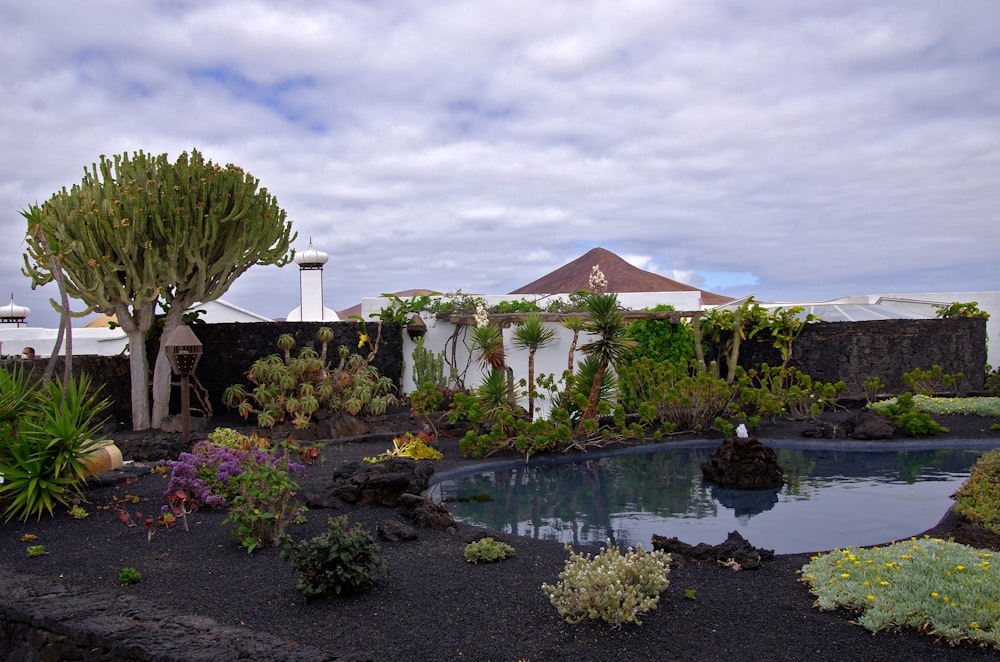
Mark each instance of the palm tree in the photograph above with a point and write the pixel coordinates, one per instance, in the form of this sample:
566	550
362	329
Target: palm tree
605	320
574	324
532	335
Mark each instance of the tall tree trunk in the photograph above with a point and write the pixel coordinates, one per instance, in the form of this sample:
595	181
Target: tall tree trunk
161	369
531	385
136	325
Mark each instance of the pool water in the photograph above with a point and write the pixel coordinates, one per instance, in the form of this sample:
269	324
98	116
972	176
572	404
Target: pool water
835	494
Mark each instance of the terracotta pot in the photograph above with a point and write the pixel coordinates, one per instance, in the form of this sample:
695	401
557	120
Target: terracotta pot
105	458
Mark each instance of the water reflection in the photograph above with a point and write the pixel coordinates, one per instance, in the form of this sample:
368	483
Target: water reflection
830	498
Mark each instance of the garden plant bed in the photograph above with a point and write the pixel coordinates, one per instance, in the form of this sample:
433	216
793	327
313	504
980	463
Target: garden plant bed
202	596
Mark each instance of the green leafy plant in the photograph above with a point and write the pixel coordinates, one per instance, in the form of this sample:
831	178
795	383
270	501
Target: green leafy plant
978	499
400	310
516	306
960	309
425	401
667	392
338	560
293	389
44	455
35	551
945	589
76	511
929	382
487	550
662	339
262	504
414	446
872	387
613	587
129	576
903	413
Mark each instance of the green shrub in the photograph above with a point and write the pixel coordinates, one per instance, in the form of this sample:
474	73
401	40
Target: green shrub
929	382
978	500
664	391
262	504
44	453
129	576
335	561
613	587
662	340
919	424
487	550
941	588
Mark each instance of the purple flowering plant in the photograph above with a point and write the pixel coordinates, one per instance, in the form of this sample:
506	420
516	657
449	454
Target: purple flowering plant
209	472
256	484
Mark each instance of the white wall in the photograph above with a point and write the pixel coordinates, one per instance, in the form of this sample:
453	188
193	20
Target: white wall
104	341
551	360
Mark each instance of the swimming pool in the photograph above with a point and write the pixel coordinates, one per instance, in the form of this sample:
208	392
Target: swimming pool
835	494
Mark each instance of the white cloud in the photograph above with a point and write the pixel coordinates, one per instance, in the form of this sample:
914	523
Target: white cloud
794	150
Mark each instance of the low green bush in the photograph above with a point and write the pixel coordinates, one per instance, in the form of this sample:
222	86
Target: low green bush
904	413
978	499
263	503
613	587
129	576
487	550
46	436
335	561
941	588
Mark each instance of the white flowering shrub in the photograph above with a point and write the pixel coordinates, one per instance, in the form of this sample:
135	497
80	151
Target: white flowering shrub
611	586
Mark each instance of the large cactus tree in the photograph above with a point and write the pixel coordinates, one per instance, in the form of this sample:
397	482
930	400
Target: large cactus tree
139	229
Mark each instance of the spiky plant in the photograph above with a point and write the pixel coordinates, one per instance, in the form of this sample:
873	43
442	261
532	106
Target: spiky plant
532	335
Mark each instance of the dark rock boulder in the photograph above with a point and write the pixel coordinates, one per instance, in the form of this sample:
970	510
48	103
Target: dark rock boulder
424	512
379	484
867	424
744	464
340	424
735	552
392	530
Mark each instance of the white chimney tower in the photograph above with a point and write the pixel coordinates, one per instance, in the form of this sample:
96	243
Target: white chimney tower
311	308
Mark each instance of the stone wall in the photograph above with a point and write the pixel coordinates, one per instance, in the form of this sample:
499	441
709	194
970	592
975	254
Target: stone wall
855	351
827	351
228	351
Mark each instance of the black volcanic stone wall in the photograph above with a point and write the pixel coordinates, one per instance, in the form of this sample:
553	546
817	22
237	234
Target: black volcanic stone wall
855	351
827	351
228	351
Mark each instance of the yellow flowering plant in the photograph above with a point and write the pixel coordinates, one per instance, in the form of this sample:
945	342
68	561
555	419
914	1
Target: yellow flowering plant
934	586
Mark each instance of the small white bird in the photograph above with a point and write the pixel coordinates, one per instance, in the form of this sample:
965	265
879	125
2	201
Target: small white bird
741	431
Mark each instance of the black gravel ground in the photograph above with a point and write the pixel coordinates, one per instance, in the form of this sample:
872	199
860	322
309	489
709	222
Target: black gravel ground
200	590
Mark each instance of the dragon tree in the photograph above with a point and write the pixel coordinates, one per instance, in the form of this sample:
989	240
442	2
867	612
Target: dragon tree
139	230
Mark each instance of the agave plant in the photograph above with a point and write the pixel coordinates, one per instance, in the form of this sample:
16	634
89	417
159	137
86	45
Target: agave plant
44	457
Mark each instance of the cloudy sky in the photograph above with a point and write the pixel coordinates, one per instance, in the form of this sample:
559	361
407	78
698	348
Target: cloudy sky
790	149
